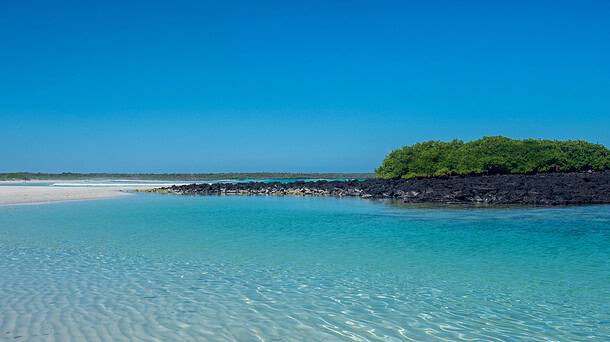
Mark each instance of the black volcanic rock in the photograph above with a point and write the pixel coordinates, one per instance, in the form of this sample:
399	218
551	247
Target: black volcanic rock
537	189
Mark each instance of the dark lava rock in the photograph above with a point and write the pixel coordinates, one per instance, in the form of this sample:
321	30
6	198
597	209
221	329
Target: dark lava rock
537	189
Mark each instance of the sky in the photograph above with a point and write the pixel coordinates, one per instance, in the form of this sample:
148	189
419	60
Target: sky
311	86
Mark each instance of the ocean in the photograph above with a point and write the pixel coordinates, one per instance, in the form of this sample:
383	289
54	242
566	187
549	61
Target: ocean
151	267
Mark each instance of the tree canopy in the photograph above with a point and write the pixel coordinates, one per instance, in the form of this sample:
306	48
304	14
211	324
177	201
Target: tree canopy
493	155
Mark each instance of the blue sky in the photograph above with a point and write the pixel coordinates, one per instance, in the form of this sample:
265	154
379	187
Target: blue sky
210	86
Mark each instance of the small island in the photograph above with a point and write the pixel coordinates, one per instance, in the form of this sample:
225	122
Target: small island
488	171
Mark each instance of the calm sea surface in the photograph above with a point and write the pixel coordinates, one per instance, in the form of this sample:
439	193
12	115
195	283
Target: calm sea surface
150	267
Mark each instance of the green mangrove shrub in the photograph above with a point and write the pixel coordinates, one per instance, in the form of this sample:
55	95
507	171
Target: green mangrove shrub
493	155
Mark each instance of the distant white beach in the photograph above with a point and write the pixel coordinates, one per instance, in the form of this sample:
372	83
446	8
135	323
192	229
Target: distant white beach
11	195
46	191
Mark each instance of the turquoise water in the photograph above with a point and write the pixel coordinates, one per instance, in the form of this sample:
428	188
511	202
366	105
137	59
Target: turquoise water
151	267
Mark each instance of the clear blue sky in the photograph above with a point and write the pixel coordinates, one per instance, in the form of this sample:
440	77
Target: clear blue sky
207	86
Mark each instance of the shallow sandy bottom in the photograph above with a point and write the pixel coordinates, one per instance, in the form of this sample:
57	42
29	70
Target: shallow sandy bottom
239	268
10	195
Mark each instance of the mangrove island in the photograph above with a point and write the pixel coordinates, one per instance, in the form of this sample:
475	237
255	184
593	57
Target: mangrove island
491	170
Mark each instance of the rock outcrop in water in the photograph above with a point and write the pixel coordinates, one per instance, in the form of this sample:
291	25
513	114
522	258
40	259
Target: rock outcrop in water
537	189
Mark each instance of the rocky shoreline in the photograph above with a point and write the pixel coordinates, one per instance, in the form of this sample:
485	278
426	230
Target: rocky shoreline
537	189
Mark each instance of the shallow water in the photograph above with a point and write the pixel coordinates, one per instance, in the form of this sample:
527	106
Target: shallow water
151	267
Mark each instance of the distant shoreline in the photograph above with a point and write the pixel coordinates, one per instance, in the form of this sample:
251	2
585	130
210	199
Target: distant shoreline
35	176
536	189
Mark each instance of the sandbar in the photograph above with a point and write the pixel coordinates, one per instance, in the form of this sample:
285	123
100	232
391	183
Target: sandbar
12	195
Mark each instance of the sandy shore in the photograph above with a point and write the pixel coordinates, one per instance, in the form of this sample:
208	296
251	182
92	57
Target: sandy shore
43	194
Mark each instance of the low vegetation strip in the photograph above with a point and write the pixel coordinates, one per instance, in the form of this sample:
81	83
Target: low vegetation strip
12	176
493	155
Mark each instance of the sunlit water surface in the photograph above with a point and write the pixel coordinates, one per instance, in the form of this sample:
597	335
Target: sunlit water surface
150	267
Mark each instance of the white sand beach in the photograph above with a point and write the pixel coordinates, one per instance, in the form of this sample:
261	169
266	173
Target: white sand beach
43	194
45	191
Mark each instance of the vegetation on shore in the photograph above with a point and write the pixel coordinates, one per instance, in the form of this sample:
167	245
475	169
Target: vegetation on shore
493	155
179	176
488	155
